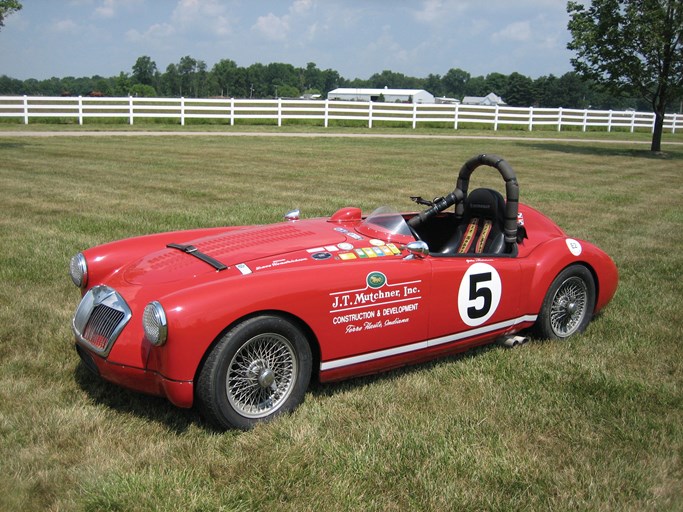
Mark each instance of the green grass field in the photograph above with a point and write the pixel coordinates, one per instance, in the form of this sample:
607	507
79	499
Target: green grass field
595	423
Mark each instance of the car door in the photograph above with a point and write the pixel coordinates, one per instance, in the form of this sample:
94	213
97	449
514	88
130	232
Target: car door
375	305
473	297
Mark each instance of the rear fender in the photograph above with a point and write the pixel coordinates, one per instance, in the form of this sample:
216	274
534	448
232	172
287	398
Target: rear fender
551	257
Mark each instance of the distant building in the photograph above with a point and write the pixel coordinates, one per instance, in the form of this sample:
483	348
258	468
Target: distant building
489	100
389	95
447	101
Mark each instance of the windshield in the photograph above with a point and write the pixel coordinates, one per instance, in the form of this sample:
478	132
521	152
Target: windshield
387	224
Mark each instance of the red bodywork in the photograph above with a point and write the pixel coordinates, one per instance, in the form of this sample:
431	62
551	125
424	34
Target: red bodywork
364	306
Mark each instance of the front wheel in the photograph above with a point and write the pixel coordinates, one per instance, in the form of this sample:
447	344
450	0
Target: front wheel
257	370
568	306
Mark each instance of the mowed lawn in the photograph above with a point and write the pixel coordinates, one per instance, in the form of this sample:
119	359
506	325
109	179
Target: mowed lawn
594	423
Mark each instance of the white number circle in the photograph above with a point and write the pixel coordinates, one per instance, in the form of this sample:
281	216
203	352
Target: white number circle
479	294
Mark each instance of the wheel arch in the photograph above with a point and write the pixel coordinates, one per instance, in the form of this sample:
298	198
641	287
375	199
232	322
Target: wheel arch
306	330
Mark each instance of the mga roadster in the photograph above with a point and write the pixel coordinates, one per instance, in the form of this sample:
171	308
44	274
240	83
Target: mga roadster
236	320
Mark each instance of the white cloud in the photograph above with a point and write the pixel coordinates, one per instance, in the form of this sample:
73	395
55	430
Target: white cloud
272	27
517	31
65	26
152	34
106	10
206	15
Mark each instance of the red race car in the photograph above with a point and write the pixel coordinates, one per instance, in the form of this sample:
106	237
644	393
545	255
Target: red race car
236	320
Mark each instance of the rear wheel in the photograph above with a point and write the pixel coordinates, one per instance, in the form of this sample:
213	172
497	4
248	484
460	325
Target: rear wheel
257	370
568	306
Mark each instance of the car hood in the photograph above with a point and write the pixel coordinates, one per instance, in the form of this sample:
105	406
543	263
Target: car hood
231	248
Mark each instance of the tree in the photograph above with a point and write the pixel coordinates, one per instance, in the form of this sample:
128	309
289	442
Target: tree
632	47
8	7
144	71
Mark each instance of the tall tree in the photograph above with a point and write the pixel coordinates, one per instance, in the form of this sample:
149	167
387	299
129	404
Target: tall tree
632	46
144	71
7	7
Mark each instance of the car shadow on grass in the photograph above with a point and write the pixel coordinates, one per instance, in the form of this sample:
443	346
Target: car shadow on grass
152	408
179	420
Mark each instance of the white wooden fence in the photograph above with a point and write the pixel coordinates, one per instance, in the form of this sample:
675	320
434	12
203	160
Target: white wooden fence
230	110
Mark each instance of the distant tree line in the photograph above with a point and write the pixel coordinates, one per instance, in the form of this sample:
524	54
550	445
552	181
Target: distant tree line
192	79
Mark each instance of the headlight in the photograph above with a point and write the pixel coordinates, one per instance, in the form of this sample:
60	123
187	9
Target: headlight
154	323
78	269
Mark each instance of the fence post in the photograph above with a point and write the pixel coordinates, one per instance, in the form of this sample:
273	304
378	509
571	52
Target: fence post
633	121
182	111
531	119
673	123
456	111
327	111
80	110
279	112
585	119
609	121
414	115
130	110
559	119
232	111
25	109
370	114
495	121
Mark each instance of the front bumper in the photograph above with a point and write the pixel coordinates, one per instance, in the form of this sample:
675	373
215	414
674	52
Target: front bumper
100	318
179	393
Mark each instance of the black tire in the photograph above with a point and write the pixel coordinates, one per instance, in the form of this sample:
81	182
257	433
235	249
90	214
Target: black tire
568	305
260	368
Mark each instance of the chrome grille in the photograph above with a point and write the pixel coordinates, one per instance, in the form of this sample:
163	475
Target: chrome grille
101	325
100	318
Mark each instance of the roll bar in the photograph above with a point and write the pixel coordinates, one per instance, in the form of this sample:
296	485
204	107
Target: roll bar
457	197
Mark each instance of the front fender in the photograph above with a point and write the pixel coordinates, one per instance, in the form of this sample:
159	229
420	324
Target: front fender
197	316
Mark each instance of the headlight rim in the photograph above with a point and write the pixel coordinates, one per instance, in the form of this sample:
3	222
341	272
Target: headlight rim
155	312
78	270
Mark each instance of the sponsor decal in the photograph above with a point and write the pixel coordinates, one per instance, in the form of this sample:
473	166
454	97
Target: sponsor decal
574	246
279	263
355	236
316	249
347	256
243	268
378	305
520	219
331	248
369	252
360	253
394	249
375	242
345	246
376	279
341	230
321	256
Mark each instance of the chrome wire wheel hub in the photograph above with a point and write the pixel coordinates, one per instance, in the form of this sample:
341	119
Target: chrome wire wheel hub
261	375
568	307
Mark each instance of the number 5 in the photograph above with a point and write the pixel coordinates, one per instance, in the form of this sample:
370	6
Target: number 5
479	294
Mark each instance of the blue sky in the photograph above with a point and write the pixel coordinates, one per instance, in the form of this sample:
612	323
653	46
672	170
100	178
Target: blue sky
357	38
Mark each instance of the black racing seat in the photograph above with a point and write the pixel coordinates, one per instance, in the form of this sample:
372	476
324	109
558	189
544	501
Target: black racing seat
481	228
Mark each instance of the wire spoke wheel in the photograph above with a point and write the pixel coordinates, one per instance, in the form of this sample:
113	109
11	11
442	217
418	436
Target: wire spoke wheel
568	306
261	375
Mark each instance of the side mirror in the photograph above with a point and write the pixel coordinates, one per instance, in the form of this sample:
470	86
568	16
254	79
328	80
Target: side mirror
292	215
418	249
